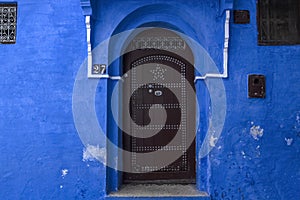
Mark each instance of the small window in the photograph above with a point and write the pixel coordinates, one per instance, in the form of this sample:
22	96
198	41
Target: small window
8	23
278	22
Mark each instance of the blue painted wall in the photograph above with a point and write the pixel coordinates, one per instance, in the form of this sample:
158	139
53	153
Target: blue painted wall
38	138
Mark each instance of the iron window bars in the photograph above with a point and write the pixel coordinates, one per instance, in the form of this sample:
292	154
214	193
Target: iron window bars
8	23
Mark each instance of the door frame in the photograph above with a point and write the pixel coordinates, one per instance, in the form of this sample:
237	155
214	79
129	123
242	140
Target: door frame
114	177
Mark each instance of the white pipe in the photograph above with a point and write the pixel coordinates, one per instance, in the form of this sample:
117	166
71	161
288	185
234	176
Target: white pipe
225	54
103	76
115	78
89	45
90	55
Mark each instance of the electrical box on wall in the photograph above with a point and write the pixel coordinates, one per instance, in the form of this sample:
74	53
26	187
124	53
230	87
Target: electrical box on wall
241	16
256	86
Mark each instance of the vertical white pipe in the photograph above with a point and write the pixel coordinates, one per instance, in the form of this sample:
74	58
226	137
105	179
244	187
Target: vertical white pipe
226	45
89	45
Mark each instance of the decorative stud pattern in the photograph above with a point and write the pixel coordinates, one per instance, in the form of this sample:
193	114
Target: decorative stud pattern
160	127
156	106
158	73
165	43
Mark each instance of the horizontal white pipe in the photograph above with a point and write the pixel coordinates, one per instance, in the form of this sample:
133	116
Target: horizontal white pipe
106	76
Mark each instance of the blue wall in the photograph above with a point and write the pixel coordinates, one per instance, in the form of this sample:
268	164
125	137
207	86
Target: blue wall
266	168
38	138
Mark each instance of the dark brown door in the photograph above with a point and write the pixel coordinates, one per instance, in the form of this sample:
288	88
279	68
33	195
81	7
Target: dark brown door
151	87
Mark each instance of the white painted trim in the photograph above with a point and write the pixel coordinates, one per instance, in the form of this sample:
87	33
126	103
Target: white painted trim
225	53
89	45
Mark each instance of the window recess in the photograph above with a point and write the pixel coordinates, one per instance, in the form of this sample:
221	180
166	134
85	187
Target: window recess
278	22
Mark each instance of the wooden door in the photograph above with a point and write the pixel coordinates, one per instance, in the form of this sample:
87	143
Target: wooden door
158	94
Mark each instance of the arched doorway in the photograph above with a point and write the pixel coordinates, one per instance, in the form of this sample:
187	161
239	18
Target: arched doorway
160	55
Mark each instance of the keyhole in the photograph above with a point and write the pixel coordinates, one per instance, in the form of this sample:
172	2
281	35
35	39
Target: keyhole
158	93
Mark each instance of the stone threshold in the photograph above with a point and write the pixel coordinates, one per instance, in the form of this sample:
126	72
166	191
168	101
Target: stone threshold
158	190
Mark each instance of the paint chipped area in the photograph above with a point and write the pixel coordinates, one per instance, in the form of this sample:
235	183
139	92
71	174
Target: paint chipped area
297	123
243	154
212	141
288	141
94	153
256	132
64	173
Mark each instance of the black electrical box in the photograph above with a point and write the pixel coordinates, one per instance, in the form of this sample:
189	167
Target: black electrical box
256	86
241	16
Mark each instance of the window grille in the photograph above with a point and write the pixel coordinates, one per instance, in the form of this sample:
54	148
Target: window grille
8	23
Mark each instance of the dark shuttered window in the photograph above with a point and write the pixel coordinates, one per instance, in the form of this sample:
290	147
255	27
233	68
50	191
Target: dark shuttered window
278	22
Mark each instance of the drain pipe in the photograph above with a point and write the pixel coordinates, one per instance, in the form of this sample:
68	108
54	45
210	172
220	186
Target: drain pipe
89	45
225	54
